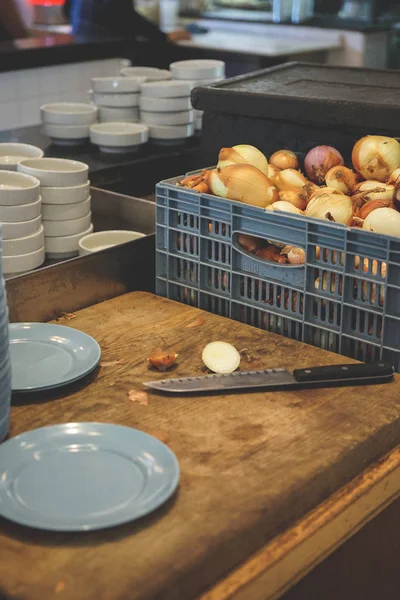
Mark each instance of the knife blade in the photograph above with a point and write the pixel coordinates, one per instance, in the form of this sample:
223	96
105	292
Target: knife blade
277	379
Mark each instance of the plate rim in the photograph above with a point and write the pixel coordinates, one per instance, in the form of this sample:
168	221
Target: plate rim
36	388
164	497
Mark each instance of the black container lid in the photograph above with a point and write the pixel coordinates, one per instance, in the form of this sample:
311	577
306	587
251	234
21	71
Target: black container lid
310	94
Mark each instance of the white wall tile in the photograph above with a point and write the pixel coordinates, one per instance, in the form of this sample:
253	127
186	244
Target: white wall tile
29	83
49	80
9	115
29	112
9	87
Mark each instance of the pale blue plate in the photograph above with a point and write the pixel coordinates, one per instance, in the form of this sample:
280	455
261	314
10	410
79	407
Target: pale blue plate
46	356
84	476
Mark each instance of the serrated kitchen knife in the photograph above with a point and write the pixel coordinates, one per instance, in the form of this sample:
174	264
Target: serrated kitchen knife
279	379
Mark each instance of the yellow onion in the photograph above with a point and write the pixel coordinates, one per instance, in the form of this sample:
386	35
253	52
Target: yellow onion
290	178
307	191
284	206
370	206
272	195
284	159
293	196
341	178
295	256
376	157
331	207
243	183
373	190
383	220
321	191
272	172
394	178
243	154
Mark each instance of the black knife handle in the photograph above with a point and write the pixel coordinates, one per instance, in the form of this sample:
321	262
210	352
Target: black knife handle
357	372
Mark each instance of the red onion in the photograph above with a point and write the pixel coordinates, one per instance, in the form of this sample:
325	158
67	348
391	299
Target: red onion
319	160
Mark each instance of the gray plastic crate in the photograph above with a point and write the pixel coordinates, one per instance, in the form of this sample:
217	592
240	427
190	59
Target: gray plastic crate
346	298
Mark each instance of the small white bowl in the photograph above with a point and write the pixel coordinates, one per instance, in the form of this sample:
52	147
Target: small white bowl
10	231
174	118
197	69
118	115
63	212
164	104
55	172
171	133
199	123
118	137
65	195
17	188
21	263
67	227
198	113
193	83
124	100
12	154
117	84
64	246
20	212
165	89
23	245
101	240
66	135
68	113
150	73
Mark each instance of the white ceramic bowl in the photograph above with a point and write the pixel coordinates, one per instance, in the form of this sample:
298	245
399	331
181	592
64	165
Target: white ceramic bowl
118	115
20	212
150	73
117	137
21	263
197	69
64	246
165	89
164	104
55	172
17	188
174	118
63	212
124	100
193	83
20	229
12	154
117	84
198	113
68	113
67	227
66	135
199	123
101	240
65	195
171	133
23	245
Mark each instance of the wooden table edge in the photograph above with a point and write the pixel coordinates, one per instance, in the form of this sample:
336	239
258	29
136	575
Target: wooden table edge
280	564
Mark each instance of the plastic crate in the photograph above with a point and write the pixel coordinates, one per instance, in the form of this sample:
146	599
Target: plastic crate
345	299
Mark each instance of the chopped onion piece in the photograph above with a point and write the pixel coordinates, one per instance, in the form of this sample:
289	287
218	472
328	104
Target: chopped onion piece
221	357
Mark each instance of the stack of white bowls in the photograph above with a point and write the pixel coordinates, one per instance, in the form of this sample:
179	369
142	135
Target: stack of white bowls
119	137
20	215
117	98
166	108
197	73
66	203
150	73
5	362
67	123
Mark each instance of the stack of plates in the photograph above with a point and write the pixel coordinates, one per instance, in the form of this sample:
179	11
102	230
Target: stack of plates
11	154
150	73
117	98
165	107
66	203
117	137
20	214
197	73
5	365
67	123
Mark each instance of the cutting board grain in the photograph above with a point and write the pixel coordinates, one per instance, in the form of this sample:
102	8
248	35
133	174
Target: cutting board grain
251	463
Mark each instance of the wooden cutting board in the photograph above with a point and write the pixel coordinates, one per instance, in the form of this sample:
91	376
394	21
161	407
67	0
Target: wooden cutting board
251	463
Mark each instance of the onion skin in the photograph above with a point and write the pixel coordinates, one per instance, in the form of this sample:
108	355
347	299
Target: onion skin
394	178
293	196
324	190
284	159
243	154
331	207
320	160
289	179
272	172
369	191
370	206
383	220
296	256
243	183
284	207
376	157
342	179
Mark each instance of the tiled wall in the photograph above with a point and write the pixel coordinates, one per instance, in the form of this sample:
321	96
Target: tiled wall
23	92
